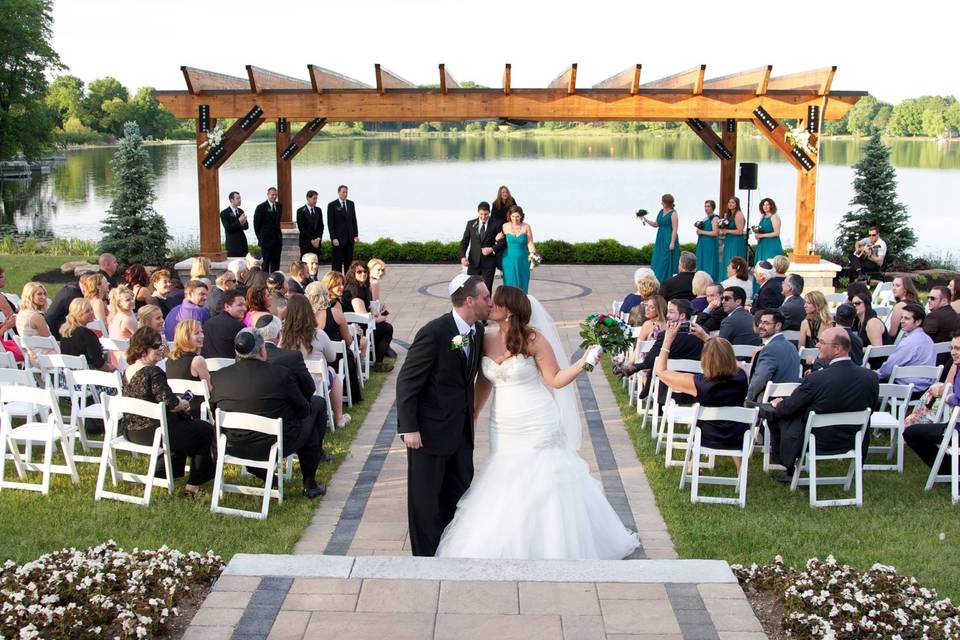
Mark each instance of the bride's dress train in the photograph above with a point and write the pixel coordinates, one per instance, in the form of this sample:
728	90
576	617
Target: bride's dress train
535	497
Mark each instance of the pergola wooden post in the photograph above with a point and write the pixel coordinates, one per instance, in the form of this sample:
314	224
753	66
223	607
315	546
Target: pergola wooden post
686	97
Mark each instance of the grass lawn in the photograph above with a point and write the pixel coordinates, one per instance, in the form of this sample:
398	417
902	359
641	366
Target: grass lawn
20	270
31	524
899	524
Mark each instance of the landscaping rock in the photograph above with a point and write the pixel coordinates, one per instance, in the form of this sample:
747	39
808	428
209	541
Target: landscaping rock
71	267
85	268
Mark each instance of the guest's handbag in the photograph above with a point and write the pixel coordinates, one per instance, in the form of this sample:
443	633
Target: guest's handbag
923	414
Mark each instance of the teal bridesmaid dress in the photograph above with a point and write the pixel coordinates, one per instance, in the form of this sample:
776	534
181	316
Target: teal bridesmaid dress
664	261
733	245
516	262
767	248
708	253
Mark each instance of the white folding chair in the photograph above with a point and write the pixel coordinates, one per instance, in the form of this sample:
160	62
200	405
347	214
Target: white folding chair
117	350
891	417
318	369
98	326
86	384
640	347
248	422
696	450
809	457
882	294
215	364
792	336
114	441
367	360
834	300
773	390
808	354
340	347
7	361
50	431
199	388
355	350
37	344
675	414
876	351
53	368
949	446
883	313
615	307
930	372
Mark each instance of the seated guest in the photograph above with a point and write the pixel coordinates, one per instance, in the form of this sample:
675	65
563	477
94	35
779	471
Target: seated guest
137	280
713	314
701	280
123	322
640	276
816	318
357	298
31	321
95	289
77	340
722	384
185	361
954	286
313	266
770	295
200	270
840	387
904	293
925	439
192	308
220	331
151	316
845	316
681	285
942	321
792	308
737	326
738	275
253	385
8	314
335	325
109	269
144	380
258	304
867	325
778	361
162	285
655	318
254	275
868	256
225	282
685	346
296	335
298	277
914	349
238	267
277	290
377	268
57	313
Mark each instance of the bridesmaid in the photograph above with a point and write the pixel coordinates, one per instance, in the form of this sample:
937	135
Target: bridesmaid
708	254
734	240
666	251
768	240
516	259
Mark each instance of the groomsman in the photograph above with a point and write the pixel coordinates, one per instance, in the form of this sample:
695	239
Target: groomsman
479	246
234	224
342	221
310	224
266	224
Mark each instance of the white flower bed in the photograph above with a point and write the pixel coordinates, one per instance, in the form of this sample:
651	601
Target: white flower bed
99	592
833	601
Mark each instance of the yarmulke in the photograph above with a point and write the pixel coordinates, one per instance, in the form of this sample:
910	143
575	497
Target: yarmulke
456	283
247	341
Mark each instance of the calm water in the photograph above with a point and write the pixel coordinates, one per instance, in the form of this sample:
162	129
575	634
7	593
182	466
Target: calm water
418	189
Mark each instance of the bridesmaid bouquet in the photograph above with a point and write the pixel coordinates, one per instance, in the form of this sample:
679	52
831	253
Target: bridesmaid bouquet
723	223
756	229
642	213
609	332
535	260
699	223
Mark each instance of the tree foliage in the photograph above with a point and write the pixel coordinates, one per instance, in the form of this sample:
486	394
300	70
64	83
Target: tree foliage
25	57
875	203
132	230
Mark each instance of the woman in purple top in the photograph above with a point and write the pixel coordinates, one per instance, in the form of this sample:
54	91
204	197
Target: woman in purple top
925	439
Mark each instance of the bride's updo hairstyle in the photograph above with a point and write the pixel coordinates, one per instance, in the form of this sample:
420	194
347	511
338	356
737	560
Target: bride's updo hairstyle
519	333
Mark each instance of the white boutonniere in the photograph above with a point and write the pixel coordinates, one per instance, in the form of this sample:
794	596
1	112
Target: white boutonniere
457	343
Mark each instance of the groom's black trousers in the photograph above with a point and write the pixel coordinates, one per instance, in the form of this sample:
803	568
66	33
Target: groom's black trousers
435	484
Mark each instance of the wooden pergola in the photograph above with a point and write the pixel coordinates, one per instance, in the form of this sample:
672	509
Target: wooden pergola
752	96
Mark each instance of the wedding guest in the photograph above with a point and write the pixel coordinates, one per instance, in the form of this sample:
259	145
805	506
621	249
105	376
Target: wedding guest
681	285
734	236
868	326
666	251
701	280
479	245
646	284
30	319
654	319
238	267
792	307
816	318
954	286
109	268
768	240
221	330
925	439
914	349
77	340
868	256
266	224
316	296
7	308
185	361
144	380
277	290
845	316
335	326
225	282
722	384
778	361
258	304
904	293
685	346
738	275
713	314
200	269
342	223
254	276
377	269
57	312
737	326
234	224
942	321
310	227
299	278
192	308
770	293
162	285
708	245
356	295
176	294
501	206
151	316
137	280
313	266
123	322
95	288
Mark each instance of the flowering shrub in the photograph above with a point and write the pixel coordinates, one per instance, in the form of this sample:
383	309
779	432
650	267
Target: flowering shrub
103	591
829	600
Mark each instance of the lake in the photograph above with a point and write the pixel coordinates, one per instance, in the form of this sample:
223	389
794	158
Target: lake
571	188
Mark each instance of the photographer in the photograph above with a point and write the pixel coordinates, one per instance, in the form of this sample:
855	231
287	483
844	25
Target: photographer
868	256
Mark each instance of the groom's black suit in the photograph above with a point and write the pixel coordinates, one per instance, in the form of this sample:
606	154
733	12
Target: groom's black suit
471	246
435	397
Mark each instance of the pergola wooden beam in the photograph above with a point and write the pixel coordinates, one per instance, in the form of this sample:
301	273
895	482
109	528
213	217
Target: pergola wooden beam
756	79
566	80
324	80
387	79
816	80
261	79
506	79
446	80
691	79
629	78
710	138
235	136
201	80
774	131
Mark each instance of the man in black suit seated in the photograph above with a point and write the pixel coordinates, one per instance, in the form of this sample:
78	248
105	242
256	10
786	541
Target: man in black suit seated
310	225
253	385
266	224
221	329
711	317
840	387
269	327
737	327
234	224
792	307
770	295
681	285
685	347
479	246
845	316
342	223
110	269
56	313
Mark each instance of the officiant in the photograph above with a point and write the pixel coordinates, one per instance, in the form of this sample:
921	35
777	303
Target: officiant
481	241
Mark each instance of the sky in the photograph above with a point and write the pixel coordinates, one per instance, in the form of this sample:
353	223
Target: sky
894	53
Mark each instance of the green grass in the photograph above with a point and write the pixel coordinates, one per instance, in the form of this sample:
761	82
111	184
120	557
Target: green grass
21	269
32	524
899	524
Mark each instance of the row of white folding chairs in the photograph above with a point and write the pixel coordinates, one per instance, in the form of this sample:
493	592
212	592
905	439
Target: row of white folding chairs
364	360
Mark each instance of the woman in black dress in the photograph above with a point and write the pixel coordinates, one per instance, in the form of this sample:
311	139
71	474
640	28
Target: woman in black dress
335	325
357	295
77	340
144	380
186	363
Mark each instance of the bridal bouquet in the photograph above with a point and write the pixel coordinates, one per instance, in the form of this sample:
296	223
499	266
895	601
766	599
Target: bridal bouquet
609	332
535	260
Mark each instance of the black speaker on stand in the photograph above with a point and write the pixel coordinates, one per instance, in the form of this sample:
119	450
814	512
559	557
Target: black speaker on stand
748	182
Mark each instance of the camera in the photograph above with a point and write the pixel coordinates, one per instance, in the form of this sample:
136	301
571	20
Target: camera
684	327
188	395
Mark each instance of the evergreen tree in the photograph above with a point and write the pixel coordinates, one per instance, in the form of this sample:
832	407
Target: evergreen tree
875	203
133	231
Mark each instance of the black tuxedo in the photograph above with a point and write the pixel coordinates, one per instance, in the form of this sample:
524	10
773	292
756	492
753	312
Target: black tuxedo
471	245
342	222
219	332
266	224
838	388
770	295
236	239
435	398
679	286
684	347
310	228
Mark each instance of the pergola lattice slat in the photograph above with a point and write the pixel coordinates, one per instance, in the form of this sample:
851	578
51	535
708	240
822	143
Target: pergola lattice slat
629	78
261	79
324	80
756	79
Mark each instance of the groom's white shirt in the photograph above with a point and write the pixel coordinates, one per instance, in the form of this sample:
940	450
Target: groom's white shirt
463	327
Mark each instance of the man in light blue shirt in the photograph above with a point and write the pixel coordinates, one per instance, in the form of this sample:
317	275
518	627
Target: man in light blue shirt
914	349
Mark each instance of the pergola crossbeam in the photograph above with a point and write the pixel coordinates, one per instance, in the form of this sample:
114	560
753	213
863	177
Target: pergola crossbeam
446	80
629	78
261	79
387	79
756	79
691	80
566	80
324	79
201	80
817	80
506	79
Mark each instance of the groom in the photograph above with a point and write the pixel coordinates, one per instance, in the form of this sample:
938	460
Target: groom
435	411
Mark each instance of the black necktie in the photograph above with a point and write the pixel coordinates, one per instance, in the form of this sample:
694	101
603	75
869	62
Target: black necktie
311	211
483	229
273	208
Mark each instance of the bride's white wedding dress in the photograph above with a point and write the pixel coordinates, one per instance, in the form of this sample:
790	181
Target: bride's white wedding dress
535	497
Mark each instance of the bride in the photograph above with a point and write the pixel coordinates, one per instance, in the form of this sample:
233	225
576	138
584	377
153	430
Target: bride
535	497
